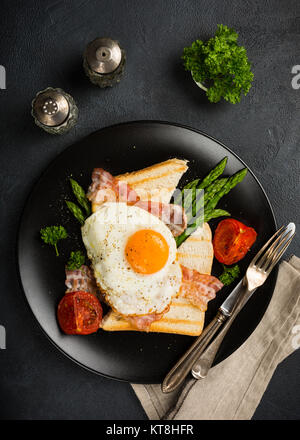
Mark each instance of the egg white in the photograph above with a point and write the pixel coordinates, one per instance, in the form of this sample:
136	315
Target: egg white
105	234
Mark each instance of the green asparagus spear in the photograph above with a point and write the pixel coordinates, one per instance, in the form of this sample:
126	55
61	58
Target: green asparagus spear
80	196
215	213
179	197
207	181
188	231
213	188
188	195
209	193
76	211
192	184
200	220
229	185
214	174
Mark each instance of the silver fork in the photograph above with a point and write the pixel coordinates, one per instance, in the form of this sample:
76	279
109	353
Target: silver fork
201	354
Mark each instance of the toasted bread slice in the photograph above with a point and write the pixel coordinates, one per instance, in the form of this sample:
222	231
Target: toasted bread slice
197	251
157	182
182	318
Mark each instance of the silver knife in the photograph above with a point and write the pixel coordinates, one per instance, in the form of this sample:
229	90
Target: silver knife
200	356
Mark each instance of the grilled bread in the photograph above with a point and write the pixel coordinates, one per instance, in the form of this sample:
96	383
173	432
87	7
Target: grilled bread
197	251
182	318
157	182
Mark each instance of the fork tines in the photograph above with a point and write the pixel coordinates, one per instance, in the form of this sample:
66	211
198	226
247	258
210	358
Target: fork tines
271	252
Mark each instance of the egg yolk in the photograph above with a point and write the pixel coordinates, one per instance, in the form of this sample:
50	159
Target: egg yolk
147	251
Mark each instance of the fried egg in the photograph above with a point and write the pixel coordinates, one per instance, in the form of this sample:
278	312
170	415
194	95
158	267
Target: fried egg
133	254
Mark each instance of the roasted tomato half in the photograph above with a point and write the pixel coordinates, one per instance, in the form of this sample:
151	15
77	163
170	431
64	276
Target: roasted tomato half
232	240
79	313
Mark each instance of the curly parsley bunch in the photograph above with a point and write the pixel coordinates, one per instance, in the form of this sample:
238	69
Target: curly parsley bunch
220	66
52	235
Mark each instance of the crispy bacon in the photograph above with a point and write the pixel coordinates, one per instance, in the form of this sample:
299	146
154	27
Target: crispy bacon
81	280
106	188
143	322
172	215
125	192
198	288
100	189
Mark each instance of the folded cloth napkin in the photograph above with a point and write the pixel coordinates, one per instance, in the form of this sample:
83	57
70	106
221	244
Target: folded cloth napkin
233	388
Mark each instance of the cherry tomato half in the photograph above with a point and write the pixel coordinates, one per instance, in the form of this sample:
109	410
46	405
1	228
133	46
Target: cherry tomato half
79	313
232	240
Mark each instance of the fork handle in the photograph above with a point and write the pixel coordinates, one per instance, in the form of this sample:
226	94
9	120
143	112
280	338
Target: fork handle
183	367
207	356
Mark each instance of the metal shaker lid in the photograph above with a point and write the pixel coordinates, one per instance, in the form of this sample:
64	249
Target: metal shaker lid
50	107
103	55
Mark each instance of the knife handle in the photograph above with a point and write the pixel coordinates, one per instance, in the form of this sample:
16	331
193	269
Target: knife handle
183	367
207	356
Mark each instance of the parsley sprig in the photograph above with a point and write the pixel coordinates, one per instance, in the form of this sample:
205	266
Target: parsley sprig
220	66
229	274
52	235
76	260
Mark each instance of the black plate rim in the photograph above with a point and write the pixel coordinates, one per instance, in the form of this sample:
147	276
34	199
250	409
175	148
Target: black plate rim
35	184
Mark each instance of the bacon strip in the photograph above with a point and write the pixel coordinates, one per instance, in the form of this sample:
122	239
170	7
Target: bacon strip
198	288
102	182
81	279
106	188
172	215
143	322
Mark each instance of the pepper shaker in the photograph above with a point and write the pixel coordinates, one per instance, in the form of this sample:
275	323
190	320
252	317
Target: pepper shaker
54	110
104	62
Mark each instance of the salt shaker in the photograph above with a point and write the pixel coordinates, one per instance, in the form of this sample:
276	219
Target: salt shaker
104	62
54	110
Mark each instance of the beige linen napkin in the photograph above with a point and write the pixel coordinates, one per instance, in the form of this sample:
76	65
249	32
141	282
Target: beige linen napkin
233	388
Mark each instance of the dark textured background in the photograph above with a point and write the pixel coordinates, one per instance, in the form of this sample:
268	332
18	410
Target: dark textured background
41	44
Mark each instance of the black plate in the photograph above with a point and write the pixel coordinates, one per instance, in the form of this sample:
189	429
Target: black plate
131	356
